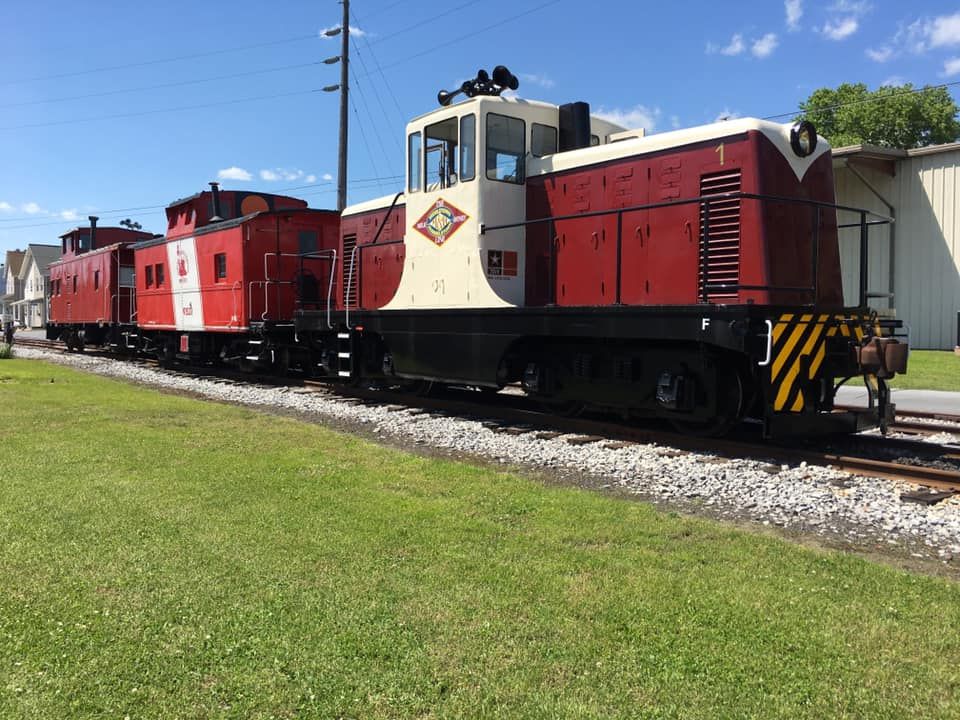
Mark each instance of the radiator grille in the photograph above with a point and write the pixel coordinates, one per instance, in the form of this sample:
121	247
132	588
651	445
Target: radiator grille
347	281
720	245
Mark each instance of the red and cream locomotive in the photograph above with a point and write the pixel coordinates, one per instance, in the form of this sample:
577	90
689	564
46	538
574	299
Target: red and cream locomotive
690	275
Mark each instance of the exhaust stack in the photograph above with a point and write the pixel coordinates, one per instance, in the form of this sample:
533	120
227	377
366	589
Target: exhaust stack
215	189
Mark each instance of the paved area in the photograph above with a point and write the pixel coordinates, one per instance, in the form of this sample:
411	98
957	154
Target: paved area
928	401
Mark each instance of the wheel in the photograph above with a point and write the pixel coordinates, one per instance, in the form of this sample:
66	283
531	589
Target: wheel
730	407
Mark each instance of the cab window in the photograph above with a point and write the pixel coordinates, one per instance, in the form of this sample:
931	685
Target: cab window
543	140
505	148
440	156
415	177
468	147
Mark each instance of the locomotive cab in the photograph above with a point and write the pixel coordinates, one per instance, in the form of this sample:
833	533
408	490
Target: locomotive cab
467	167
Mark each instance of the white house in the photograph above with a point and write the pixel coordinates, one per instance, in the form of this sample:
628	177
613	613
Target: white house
34	277
13	290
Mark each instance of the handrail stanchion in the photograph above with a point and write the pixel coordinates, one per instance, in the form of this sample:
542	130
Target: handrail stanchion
619	255
815	253
863	258
552	285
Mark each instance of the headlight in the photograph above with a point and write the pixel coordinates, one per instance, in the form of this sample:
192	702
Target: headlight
803	138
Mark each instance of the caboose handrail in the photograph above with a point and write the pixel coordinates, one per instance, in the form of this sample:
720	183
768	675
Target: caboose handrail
323	255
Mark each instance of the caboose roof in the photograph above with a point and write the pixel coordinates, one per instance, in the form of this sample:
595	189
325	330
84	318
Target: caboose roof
224	225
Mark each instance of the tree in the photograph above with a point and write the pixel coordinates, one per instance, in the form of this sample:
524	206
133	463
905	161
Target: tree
899	117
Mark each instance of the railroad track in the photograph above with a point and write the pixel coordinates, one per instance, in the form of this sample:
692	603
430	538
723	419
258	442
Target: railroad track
516	415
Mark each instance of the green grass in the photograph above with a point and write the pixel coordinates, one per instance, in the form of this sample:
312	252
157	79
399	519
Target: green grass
930	370
6	352
162	557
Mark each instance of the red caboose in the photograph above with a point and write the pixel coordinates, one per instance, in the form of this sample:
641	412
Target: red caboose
91	286
223	282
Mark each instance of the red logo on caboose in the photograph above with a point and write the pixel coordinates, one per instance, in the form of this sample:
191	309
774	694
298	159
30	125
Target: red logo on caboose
181	262
440	222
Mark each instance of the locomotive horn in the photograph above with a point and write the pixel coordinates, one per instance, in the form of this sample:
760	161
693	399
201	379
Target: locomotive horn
504	78
445	97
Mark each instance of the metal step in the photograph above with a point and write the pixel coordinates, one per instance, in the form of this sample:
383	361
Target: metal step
343	336
344	355
344	373
253	357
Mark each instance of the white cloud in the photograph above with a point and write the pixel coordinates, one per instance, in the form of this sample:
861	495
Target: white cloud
5	207
945	31
893	81
840	29
851	7
924	34
794	10
311	178
234	173
639	116
734	47
539	80
726	114
880	55
354	31
70	214
762	47
327	176
281	174
951	67
675	122
31	208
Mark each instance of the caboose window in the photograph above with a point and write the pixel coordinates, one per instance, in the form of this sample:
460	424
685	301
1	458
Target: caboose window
506	147
415	176
96	279
84	243
441	154
74	284
149	275
220	265
543	140
468	147
308	241
160	274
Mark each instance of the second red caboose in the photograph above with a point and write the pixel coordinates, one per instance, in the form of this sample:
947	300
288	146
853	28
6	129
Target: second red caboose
91	287
223	282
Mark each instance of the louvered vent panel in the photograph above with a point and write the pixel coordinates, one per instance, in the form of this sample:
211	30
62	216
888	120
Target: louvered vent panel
347	281
720	247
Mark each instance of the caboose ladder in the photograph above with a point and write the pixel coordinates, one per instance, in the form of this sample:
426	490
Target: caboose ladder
345	354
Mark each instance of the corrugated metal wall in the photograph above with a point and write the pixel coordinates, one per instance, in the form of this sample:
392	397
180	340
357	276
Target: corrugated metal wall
925	192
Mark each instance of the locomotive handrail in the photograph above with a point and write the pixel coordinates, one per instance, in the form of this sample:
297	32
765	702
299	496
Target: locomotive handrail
769	355
688	201
706	201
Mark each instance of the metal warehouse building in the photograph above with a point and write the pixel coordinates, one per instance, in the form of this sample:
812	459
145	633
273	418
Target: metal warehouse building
916	260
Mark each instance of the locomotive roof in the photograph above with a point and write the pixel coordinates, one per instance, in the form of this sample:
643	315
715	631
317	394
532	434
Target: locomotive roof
380	203
778	134
225	225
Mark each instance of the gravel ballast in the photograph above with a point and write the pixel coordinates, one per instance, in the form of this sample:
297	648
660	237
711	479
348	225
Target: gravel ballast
821	501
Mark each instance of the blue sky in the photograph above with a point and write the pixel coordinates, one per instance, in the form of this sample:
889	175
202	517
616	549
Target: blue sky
110	105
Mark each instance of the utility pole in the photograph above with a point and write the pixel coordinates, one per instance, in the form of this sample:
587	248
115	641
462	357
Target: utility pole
344	55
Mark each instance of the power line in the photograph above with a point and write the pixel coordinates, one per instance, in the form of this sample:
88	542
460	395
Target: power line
876	98
362	182
164	85
421	23
383	77
141	113
473	33
160	61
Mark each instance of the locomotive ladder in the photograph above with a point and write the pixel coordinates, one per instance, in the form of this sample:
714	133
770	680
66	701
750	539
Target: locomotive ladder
344	353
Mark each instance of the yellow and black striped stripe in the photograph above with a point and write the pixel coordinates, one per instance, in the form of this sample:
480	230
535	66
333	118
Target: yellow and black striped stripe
799	340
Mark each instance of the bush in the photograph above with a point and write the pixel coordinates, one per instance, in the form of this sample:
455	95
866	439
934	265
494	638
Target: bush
6	351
